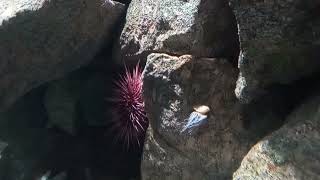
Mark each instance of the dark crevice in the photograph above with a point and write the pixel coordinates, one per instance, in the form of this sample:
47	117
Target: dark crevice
270	111
91	148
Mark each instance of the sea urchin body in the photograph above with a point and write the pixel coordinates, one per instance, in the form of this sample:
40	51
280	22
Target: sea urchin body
131	122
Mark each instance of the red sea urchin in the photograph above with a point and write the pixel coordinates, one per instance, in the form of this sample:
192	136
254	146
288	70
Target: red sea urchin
131	120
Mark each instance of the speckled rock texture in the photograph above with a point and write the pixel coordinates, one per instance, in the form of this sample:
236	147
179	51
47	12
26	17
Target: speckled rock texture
42	40
204	28
280	43
172	87
292	152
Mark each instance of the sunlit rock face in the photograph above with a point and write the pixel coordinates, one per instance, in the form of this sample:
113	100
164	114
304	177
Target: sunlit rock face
42	40
292	152
279	43
200	27
174	86
9	9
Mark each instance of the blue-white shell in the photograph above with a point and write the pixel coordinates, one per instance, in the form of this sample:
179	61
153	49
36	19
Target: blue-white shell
194	121
108	3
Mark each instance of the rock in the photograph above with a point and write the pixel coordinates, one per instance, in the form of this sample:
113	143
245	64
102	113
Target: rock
42	40
173	86
61	100
74	104
204	28
61	176
292	152
280	43
14	168
45	176
77	101
3	146
22	127
93	100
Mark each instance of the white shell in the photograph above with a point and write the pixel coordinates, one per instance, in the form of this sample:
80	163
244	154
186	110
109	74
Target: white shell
202	109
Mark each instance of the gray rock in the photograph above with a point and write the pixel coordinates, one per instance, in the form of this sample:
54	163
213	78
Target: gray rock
22	127
43	40
172	87
292	152
280	43
79	99
60	102
205	28
60	176
3	146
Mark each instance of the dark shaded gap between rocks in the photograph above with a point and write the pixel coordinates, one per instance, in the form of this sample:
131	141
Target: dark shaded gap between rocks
269	112
229	41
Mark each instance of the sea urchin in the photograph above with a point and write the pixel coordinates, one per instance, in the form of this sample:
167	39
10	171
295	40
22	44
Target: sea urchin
131	121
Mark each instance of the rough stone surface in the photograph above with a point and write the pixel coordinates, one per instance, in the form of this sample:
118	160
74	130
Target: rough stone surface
42	40
61	101
3	146
172	86
61	176
22	127
280	43
292	152
79	98
204	28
